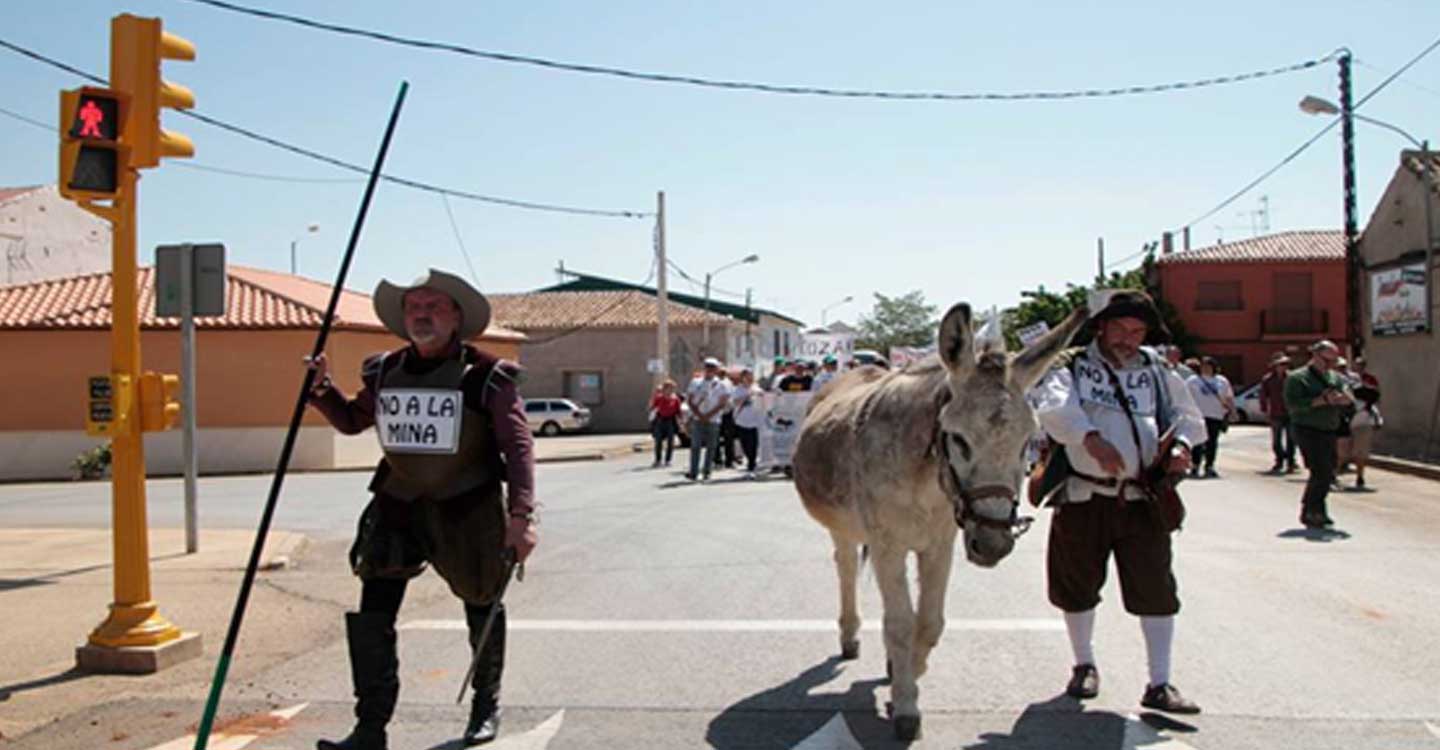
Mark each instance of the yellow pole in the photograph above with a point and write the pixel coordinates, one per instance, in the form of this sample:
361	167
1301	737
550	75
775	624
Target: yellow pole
134	619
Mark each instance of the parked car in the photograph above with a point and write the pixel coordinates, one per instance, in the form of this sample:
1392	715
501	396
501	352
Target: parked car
870	357
552	416
1247	407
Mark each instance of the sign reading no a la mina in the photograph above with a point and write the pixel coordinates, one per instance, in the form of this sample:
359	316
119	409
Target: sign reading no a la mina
419	420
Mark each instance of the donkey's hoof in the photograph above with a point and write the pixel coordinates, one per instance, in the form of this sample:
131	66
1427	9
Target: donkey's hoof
850	650
907	728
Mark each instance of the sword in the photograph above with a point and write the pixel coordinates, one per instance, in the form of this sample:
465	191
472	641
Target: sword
510	566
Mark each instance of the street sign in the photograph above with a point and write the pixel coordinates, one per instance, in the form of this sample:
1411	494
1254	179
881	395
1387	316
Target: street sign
207	281
654	366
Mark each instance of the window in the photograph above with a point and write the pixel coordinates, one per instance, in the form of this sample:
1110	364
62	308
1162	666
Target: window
1219	295
778	350
585	388
787	343
534	407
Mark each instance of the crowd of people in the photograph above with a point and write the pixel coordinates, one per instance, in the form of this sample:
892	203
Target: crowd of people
721	408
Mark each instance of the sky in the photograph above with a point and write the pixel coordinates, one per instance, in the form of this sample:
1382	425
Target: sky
965	201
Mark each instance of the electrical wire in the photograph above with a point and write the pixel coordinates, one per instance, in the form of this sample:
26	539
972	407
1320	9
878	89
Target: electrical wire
415	184
204	167
460	241
1406	81
1309	142
767	88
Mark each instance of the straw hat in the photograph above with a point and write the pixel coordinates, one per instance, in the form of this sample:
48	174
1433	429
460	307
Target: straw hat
474	308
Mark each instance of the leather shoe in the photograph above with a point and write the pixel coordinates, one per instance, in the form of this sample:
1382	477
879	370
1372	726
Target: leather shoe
484	724
1084	682
1167	698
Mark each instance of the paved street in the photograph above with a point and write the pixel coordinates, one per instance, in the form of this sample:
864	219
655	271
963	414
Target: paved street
663	614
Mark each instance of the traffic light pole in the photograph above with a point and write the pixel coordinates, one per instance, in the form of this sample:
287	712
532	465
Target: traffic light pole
134	618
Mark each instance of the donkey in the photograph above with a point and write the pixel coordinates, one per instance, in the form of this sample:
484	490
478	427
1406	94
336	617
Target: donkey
900	461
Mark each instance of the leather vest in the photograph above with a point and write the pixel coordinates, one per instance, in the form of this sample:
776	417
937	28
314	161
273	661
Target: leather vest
436	445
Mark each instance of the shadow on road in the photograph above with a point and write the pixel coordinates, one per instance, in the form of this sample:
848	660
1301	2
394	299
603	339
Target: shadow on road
73	673
1063	722
783	716
1315	535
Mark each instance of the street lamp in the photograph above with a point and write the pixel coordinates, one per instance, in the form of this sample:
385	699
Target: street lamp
1314	105
705	335
311	229
832	306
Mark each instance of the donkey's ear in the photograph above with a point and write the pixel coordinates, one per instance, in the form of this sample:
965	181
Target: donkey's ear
1032	364
957	342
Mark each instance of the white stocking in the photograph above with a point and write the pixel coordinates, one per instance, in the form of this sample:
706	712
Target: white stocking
1081	627
1159	635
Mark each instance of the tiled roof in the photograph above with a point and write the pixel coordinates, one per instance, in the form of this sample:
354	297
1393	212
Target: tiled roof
6	194
1415	162
613	309
255	299
1283	247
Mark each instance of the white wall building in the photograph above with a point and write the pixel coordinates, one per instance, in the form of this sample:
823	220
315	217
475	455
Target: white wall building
44	236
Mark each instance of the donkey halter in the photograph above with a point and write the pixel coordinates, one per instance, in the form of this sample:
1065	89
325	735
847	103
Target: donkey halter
963	498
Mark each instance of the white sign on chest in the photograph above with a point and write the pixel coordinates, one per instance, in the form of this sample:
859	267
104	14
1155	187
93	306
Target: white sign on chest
419	420
1093	383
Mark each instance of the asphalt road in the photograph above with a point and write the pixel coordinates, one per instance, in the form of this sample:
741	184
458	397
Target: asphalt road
663	614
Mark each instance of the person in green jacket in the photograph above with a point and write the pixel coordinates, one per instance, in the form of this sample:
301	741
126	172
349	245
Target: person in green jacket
1316	398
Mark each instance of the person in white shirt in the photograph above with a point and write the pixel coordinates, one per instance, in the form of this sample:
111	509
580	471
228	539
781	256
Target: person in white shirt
1109	410
830	368
1216	399
707	396
748	405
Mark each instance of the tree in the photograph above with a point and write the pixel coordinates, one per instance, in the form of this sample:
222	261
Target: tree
1042	305
898	321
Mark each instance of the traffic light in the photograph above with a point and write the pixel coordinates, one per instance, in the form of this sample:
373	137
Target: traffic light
137	48
159	404
92	154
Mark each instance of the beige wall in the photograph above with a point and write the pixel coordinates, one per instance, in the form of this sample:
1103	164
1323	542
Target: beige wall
620	356
1407	365
246	386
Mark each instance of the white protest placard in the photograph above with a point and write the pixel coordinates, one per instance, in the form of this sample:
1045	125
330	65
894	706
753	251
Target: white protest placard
419	420
900	356
821	344
1032	333
783	422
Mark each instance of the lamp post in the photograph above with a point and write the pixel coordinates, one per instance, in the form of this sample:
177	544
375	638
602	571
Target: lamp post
705	331
311	229
1314	105
832	306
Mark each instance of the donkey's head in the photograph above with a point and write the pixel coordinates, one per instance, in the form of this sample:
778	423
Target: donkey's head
984	426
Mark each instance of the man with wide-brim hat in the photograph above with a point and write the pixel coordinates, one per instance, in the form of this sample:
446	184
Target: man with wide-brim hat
1272	403
1108	409
454	490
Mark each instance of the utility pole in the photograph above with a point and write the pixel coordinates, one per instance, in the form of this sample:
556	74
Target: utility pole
749	344
1100	262
1352	231
662	297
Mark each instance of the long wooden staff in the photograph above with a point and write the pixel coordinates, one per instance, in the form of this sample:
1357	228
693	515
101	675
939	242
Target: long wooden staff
223	666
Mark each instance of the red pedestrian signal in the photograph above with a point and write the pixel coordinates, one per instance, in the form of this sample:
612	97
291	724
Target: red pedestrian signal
91	155
96	116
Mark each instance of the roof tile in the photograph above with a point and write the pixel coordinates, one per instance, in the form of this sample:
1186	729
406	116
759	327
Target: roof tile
1282	247
597	309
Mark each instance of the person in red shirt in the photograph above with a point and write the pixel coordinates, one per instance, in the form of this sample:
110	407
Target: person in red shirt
665	422
1272	402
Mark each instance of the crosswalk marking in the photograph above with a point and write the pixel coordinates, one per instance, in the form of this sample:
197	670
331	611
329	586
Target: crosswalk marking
835	735
730	626
1138	734
536	739
238	741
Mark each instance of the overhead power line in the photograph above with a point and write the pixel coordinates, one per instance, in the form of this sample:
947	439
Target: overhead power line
1301	148
767	88
316	156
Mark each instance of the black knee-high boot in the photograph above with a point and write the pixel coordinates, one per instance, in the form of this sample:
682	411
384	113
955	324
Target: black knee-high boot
374	669
484	722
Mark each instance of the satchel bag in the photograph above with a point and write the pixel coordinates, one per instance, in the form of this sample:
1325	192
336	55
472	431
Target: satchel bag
1049	473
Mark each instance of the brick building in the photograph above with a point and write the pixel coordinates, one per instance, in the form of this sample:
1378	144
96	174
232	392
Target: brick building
1246	300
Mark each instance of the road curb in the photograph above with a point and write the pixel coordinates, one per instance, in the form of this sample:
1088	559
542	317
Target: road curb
1404	466
599	455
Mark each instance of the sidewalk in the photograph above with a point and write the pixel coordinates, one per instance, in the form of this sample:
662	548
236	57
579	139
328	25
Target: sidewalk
56	585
